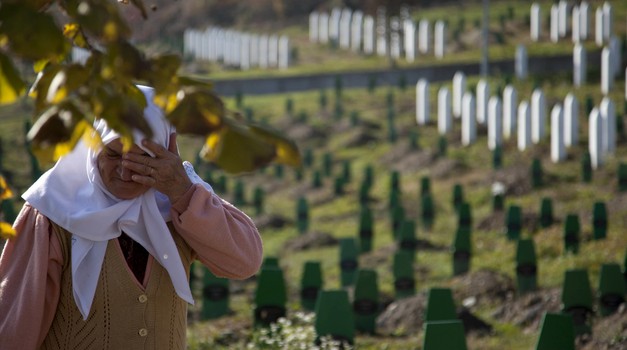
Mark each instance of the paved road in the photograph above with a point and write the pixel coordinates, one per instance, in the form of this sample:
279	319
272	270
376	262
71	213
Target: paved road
386	77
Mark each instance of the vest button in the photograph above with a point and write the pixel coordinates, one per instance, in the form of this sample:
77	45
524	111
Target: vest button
143	332
142	298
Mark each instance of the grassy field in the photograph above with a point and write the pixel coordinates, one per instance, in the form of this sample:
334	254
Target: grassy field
337	215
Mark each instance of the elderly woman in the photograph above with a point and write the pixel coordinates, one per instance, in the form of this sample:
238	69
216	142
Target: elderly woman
104	245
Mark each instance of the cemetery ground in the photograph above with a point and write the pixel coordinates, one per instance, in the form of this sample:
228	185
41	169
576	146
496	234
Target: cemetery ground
496	317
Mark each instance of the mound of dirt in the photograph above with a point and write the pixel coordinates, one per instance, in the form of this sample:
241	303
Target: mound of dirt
496	222
483	286
310	240
526	311
271	221
610	332
305	132
359	137
446	168
403	316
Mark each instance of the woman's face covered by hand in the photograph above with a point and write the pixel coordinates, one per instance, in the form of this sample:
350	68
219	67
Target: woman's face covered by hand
116	178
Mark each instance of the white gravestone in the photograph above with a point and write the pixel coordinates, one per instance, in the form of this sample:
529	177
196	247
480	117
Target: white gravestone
254	50
483	94
555	17
563	18
607	79
263	51
576	31
323	28
345	29
445	122
558	151
313	27
410	40
608	114
616	55
439	47
495	127
524	126
584	21
273	51
244	57
334	25
608	21
535	22
522	62
369	35
459	88
571	120
357	31
510	109
538	115
395	38
382	33
595	139
469	122
284	52
422	102
580	71
598	26
424	36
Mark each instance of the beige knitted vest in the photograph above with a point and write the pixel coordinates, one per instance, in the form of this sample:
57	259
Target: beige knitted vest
123	315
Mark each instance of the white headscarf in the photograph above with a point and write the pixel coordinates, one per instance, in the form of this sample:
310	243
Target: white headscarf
72	195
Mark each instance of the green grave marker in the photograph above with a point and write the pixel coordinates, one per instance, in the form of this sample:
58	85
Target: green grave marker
557	332
427	211
586	167
497	157
526	266
258	200
395	181
440	305
327	164
571	233
398	216
215	296
577	299
444	335
546	212
310	285
372	84
348	261
364	195
270	296
413	139
239	99
302	215
464	217
536	173
394	200
338	110
462	250
407	238
391	126
298	174
403	270
354	118
278	171
316	179
611	289
442	146
622	177
458	196
366	301
334	317
303	117
366	229
389	99
289	106
308	158
346	171
338	186
599	220
369	175
221	184
338	86
249	114
513	222
270	261
498	202
238	194
322	100
425	186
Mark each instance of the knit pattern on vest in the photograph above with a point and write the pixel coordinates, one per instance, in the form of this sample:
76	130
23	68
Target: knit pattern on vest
123	315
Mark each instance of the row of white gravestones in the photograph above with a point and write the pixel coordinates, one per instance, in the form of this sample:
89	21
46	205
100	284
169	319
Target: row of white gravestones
397	37
602	132
237	49
580	18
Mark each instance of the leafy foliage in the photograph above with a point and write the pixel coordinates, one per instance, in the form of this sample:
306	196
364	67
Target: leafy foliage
68	95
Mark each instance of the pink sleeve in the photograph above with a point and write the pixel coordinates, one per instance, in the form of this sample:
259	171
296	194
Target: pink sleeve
223	237
30	276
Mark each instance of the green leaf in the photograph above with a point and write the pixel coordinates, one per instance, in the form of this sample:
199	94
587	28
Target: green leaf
31	35
11	85
100	18
237	150
39	90
198	112
286	149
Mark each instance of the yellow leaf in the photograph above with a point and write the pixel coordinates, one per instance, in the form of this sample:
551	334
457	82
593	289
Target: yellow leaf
5	191
236	150
6	230
199	112
11	85
286	149
73	32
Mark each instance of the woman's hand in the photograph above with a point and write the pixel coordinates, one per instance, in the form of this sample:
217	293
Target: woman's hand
163	172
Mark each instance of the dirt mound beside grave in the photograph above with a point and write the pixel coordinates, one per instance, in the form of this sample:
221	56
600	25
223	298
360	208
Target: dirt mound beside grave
526	311
310	240
496	222
271	221
483	286
405	159
305	132
403	316
359	137
609	333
